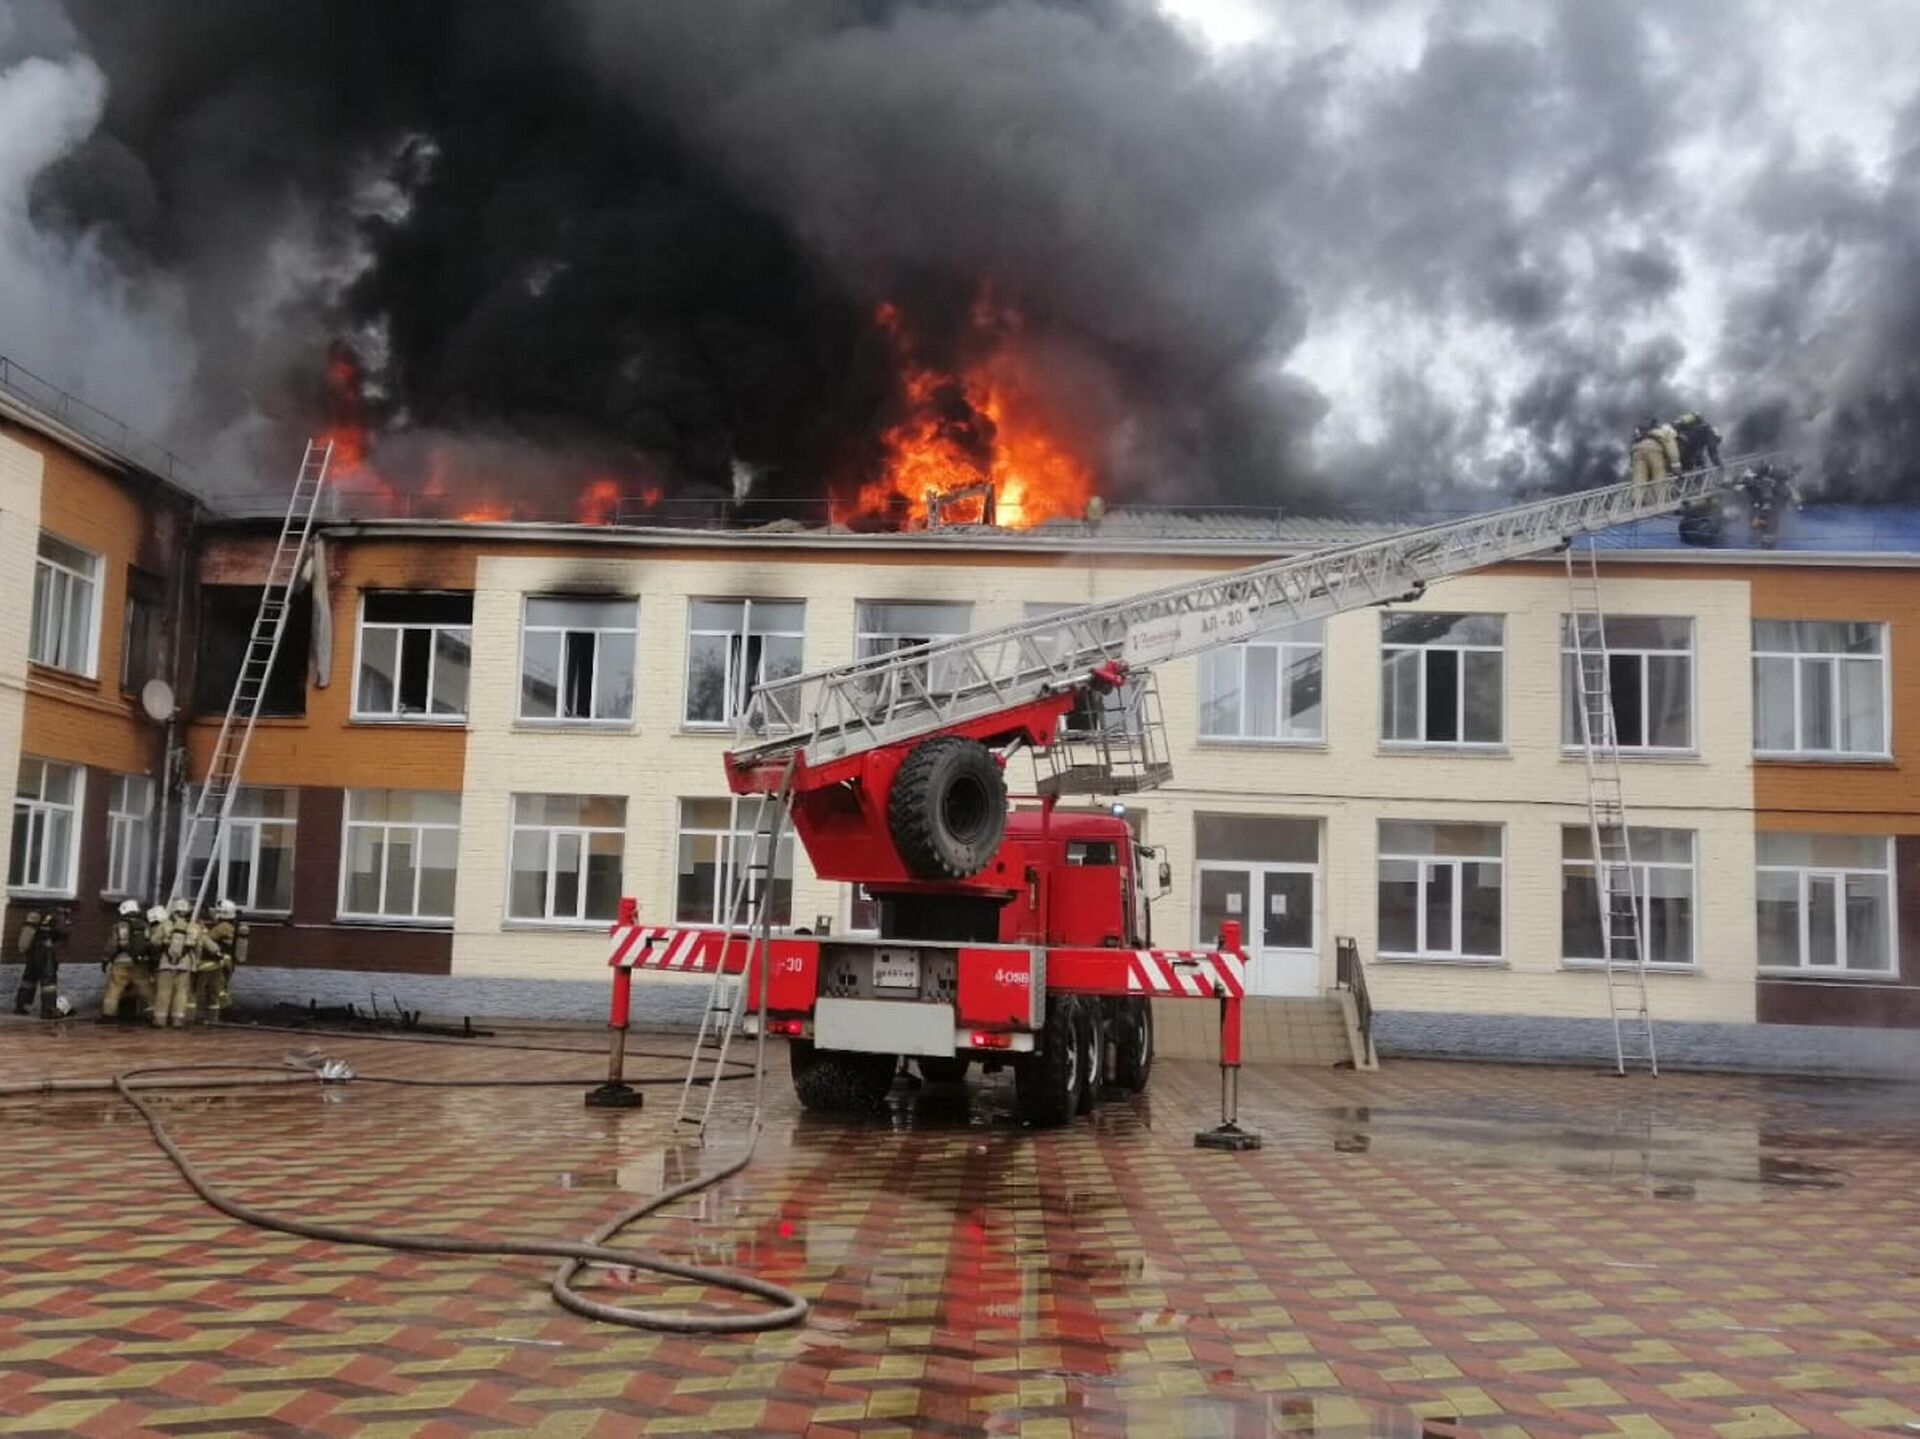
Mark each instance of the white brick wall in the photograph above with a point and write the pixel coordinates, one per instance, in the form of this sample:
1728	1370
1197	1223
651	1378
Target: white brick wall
20	474
1348	782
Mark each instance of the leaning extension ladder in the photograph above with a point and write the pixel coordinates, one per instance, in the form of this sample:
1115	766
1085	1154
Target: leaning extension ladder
726	1001
1616	878
214	808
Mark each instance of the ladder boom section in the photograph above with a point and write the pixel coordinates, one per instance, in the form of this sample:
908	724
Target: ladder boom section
838	713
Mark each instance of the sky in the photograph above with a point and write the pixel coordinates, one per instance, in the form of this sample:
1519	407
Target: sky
1323	253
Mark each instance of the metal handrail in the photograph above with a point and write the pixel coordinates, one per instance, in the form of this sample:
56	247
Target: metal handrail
1351	975
91	421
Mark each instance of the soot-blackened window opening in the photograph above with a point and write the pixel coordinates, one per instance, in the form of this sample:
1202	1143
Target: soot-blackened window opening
226	624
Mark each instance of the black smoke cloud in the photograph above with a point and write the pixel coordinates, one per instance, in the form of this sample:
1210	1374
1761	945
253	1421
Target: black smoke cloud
1297	273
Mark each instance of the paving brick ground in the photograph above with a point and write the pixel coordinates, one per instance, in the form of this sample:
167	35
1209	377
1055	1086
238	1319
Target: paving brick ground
1432	1249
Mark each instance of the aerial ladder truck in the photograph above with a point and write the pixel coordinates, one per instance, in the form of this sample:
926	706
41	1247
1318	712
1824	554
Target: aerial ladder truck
1021	935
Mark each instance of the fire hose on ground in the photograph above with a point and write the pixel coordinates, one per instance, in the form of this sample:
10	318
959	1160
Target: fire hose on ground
787	1307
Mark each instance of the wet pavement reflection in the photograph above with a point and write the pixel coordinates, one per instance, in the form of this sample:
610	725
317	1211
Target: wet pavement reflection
1430	1250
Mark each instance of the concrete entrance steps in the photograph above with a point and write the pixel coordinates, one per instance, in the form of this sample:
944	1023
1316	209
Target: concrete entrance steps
1318	1032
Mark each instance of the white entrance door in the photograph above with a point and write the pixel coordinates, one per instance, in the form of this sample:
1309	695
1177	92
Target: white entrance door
1275	907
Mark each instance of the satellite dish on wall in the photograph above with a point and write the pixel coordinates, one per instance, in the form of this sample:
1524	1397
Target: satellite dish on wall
156	698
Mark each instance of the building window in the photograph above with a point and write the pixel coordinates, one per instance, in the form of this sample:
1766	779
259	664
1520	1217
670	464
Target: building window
1268	688
46	828
226	621
1819	688
1825	903
884	626
734	645
1663	864
567	856
143	642
129	834
1439	890
256	850
863	910
717	836
1650	679
416	653
66	606
400	855
576	659
1441	678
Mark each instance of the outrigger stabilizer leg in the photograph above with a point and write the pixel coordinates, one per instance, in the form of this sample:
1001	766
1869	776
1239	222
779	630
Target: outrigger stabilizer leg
1228	1134
616	1093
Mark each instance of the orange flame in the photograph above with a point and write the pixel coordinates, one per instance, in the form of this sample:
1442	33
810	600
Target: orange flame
986	424
599	502
346	410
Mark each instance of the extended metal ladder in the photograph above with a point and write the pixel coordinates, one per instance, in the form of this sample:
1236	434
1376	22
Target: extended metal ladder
920	689
214	808
726	1001
1616	877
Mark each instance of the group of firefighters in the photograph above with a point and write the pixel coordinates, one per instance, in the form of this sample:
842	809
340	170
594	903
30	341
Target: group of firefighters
169	961
1661	448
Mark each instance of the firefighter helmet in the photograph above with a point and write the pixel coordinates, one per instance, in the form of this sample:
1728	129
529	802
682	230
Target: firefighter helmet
129	908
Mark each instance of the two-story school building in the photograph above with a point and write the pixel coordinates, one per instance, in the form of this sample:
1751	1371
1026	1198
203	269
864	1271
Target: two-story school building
481	735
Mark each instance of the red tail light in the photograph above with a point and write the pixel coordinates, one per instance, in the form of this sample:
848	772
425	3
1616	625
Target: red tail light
791	1027
986	1039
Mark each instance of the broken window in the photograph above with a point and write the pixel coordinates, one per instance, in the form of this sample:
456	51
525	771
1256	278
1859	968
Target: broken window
576	659
734	645
1440	678
1649	680
416	654
226	625
143	644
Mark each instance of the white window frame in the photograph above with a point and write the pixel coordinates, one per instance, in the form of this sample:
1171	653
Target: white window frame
1569	686
1287	650
1642	880
125	826
554	833
1838	660
730	855
47	637
1425	865
40	812
731	696
595	721
1805	876
386	827
434	630
248	830
1390	648
938	678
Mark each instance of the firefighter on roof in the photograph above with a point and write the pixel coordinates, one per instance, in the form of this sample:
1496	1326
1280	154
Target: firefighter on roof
1699	442
126	961
1655	453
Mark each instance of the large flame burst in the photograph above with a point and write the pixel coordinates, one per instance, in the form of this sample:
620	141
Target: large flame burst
984	424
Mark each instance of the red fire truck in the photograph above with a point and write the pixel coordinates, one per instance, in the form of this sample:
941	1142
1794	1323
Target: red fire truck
1015	934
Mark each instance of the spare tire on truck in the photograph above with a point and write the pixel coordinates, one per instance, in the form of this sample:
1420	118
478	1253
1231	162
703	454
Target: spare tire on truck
947	810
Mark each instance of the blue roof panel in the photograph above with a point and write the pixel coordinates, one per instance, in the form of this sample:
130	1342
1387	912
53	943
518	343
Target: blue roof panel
1816	529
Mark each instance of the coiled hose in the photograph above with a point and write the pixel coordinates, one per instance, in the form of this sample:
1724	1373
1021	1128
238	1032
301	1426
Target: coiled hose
787	1307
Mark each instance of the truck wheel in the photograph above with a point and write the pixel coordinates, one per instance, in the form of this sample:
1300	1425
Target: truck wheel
1133	1046
950	1070
1048	1084
835	1082
1093	1052
947	810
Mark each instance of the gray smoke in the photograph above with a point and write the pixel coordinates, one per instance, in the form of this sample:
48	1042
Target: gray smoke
1372	254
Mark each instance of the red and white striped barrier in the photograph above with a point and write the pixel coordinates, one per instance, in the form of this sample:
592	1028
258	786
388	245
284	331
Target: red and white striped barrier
666	947
1188	973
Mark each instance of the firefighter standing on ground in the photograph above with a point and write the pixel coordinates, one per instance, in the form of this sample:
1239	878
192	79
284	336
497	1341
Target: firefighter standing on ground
1655	453
170	935
41	935
228	939
126	961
